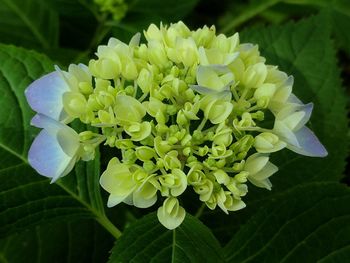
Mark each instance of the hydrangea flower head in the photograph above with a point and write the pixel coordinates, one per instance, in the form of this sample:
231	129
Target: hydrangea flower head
185	111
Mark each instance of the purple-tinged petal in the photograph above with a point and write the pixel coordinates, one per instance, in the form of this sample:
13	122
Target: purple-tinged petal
294	99
307	109
285	133
289	114
309	145
44	95
47	157
67	138
44	122
203	90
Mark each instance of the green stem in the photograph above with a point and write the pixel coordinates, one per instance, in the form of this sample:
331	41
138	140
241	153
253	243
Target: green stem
200	211
144	95
202	124
100	217
248	14
111	228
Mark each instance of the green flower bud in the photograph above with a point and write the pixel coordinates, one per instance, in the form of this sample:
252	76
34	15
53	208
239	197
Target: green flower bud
220	151
221	177
268	142
124	144
145	153
254	76
260	169
171	214
106	118
233	204
223	135
74	104
157	54
202	151
145	80
195	176
216	109
171	161
185	52
148	166
161	147
187	151
138	131
128	110
226	44
204	36
156	109
212	79
176	182
236	188
186	141
204	190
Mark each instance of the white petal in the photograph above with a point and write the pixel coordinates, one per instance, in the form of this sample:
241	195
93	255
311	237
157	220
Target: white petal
47	157
67	138
44	95
268	170
309	145
169	221
261	183
294	99
256	163
204	90
129	199
285	133
301	113
135	40
307	109
141	202
114	200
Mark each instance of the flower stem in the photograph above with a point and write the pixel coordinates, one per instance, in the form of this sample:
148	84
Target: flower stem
200	211
202	124
111	228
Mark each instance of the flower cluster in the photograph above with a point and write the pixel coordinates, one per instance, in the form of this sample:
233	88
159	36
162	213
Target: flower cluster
187	110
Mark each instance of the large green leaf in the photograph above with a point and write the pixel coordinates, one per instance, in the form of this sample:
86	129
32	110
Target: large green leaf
239	13
304	50
27	199
340	17
147	240
308	223
28	23
77	242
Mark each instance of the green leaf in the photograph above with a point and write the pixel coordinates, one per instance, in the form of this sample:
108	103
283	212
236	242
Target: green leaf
28	23
79	242
339	11
304	50
27	199
308	223
147	240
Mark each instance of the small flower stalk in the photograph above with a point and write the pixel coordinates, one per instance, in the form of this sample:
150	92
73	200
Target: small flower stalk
184	111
